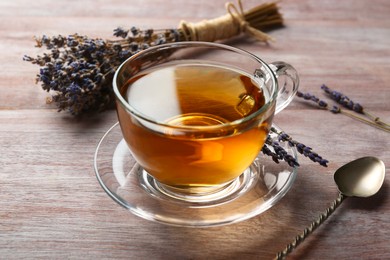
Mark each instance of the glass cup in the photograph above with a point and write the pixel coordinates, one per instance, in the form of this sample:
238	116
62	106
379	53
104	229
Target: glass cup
195	115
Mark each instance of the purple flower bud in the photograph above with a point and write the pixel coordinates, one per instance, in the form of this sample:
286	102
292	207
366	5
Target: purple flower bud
336	95
134	31
324	162
322	103
301	148
335	109
27	58
325	88
307	96
120	32
357	108
283	137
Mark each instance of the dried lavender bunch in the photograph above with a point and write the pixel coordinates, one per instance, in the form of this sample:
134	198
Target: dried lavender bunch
351	105
301	148
79	70
336	109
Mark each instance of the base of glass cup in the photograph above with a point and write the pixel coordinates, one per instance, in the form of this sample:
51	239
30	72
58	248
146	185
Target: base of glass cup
199	196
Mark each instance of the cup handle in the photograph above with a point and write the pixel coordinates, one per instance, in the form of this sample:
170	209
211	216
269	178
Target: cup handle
288	82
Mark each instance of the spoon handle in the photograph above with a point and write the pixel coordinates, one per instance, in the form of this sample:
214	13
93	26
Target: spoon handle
321	219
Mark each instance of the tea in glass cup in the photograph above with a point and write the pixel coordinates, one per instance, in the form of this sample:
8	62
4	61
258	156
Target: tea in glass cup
195	115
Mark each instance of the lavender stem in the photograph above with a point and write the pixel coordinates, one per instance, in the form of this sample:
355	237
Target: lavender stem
351	105
369	122
336	109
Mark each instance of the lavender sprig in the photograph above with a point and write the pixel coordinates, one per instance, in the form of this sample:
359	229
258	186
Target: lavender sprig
336	109
342	99
301	148
321	103
279	152
351	105
78	70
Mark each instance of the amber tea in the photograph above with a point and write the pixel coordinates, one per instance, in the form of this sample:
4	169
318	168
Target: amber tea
194	96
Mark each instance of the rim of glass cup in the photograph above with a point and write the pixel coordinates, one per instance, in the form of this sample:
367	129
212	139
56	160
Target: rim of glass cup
240	121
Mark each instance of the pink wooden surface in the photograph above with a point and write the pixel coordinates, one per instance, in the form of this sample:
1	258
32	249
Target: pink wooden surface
52	207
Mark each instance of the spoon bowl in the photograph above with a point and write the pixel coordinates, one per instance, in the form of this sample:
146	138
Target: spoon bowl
360	178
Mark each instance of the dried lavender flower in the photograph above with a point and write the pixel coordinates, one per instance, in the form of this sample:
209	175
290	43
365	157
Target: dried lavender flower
278	153
321	103
336	110
301	148
267	151
351	105
342	99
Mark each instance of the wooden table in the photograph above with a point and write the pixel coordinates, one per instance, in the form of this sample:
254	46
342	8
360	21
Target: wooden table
52	207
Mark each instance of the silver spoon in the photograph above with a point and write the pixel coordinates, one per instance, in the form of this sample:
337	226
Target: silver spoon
360	178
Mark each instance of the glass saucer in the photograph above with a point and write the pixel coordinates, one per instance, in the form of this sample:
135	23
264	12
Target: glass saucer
127	183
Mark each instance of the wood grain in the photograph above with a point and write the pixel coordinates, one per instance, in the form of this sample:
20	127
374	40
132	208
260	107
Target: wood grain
52	207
